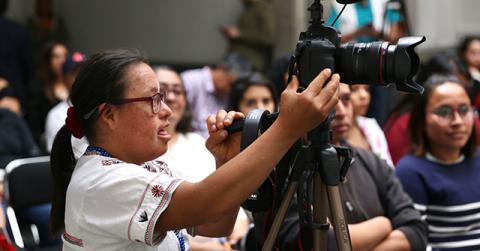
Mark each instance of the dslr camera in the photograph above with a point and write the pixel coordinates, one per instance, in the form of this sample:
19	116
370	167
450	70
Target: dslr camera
375	63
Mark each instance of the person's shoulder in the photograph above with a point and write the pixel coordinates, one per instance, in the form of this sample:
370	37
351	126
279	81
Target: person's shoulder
364	153
58	110
8	117
369	159
409	159
193	78
410	164
191	73
369	123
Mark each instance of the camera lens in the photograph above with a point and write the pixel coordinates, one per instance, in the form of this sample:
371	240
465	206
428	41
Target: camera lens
380	63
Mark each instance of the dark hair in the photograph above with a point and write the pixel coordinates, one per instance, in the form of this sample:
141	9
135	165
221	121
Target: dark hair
462	48
241	86
445	63
101	80
45	72
185	123
464	44
417	123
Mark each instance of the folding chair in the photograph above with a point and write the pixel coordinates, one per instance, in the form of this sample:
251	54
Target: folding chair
28	182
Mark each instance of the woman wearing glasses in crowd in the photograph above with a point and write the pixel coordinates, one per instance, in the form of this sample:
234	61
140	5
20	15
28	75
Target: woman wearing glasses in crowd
200	162
442	173
114	197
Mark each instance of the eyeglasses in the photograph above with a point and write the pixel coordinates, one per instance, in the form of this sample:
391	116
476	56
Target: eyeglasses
155	100
447	112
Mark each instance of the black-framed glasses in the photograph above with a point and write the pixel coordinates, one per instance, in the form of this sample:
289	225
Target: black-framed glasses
447	112
155	100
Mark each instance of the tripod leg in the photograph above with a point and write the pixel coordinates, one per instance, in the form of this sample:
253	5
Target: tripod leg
320	213
338	220
282	211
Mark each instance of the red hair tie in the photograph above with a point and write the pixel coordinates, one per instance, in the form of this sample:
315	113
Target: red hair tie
73	123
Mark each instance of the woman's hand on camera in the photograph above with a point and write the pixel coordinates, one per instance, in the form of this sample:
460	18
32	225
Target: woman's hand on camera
301	112
220	143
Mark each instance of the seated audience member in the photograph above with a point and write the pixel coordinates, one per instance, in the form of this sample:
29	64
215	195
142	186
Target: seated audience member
57	115
208	88
365	132
442	173
469	54
254	92
396	127
16	65
116	197
47	89
380	214
184	142
16	140
8	100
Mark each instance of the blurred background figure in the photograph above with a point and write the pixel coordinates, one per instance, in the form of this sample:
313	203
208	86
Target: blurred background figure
16	67
255	92
47	89
396	127
368	21
184	142
44	27
365	132
56	116
253	35
469	53
442	173
16	141
187	156
207	88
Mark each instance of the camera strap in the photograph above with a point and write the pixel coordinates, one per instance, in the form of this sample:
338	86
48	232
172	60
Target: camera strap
262	198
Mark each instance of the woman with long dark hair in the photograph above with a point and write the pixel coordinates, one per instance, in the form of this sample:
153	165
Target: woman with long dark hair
47	89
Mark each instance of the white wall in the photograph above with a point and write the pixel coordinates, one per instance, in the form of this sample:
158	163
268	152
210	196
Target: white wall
167	30
186	31
443	22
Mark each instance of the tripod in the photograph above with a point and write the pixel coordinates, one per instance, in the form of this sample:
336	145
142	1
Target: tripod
325	166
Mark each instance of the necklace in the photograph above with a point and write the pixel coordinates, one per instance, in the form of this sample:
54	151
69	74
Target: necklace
91	150
180	239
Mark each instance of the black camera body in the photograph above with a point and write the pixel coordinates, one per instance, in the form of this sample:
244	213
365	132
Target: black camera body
376	63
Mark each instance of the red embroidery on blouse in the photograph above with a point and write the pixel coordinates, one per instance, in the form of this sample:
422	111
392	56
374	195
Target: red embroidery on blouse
157	191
